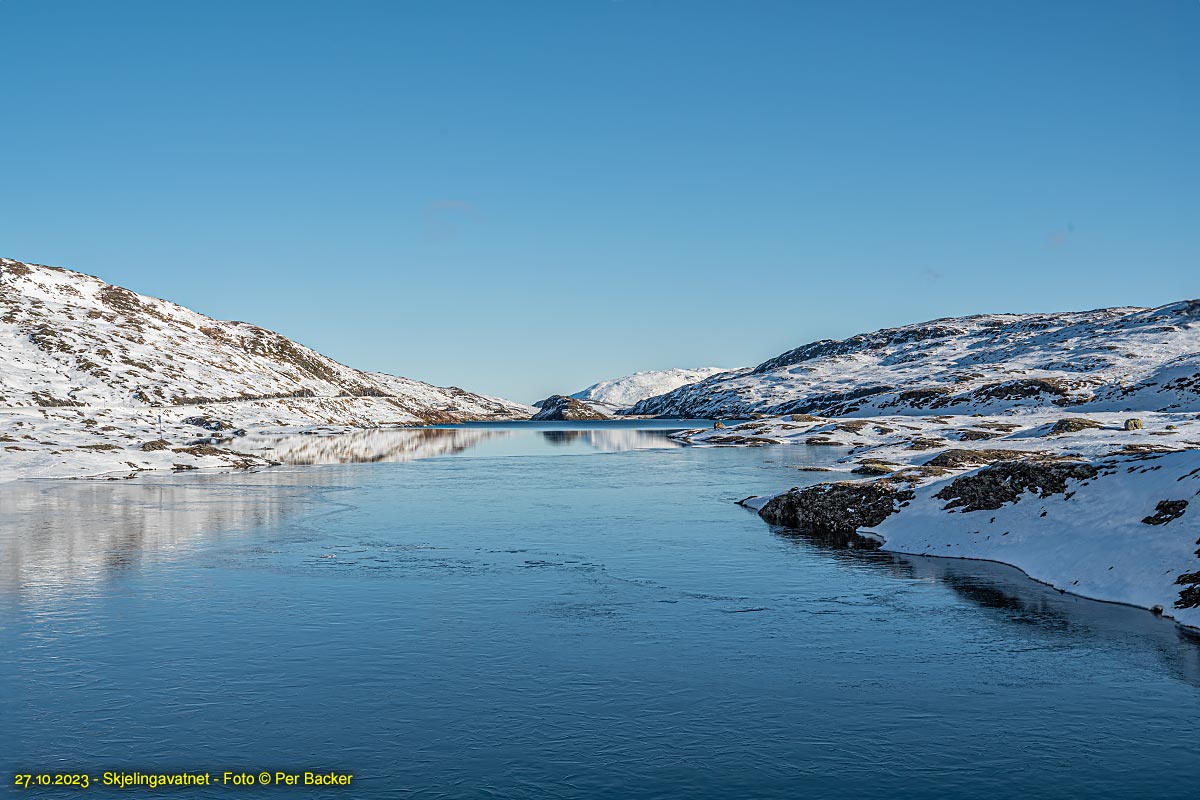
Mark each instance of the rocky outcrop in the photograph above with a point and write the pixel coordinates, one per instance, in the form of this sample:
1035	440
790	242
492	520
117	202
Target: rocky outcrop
1167	511
560	407
837	508
994	486
1074	425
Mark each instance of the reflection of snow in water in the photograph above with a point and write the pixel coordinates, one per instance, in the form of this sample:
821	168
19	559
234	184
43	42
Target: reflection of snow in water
613	441
409	444
56	533
372	445
53	534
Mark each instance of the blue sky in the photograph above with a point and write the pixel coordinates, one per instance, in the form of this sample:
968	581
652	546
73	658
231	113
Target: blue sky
525	197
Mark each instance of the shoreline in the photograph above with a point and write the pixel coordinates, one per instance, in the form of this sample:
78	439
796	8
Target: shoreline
121	443
913	458
1078	503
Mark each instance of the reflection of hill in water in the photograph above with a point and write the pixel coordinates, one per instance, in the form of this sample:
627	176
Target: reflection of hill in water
612	441
54	534
410	444
373	446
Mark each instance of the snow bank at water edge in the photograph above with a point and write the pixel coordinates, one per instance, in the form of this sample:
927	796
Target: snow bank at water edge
1124	529
1105	505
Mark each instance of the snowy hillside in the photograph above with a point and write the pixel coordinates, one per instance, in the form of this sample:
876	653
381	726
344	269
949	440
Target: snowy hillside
1110	359
95	378
71	340
624	392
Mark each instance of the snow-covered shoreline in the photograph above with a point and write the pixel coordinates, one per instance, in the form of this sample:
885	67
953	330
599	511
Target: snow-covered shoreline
122	442
1077	502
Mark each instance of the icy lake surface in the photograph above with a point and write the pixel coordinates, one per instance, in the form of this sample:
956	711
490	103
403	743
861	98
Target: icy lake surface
566	610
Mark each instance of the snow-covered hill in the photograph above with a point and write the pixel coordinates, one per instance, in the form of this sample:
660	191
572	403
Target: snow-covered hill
557	407
624	392
1111	359
89	370
68	339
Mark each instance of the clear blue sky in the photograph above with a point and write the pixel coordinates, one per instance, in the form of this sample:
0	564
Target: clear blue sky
524	197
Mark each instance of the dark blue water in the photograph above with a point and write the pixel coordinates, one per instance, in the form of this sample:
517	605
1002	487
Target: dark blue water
526	616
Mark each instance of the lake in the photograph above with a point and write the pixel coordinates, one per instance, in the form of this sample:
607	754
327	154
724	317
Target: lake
564	610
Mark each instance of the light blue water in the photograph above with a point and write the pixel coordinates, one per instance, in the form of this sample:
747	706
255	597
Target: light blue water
538	617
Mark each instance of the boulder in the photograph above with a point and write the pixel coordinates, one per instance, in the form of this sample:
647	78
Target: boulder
1073	425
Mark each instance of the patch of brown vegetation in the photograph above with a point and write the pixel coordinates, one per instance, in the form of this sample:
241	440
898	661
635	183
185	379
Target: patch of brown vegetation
970	435
1004	427
957	458
1147	449
872	467
262	342
913	475
924	443
200	450
919	398
47	400
49	339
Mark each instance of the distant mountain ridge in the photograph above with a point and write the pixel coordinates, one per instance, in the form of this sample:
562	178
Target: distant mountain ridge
628	390
1108	359
69	339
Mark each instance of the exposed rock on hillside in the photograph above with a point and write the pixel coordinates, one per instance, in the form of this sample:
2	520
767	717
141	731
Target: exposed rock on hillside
994	486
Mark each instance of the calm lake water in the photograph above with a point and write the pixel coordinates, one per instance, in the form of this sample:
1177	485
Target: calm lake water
556	611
